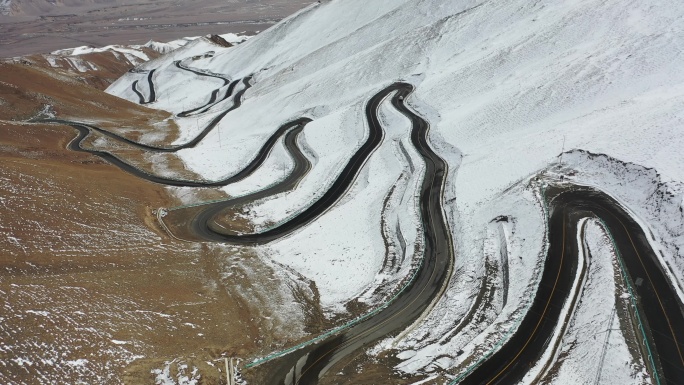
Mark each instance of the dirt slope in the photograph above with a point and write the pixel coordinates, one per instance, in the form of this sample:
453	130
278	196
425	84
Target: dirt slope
91	289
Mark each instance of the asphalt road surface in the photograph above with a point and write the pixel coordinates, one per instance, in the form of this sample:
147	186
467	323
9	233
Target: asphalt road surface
307	365
659	304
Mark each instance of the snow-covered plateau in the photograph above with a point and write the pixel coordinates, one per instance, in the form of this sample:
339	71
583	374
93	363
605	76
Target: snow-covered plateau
5	7
135	54
506	88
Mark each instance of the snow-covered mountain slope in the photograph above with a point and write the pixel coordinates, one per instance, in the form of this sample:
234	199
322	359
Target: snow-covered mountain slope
100	66
6	7
137	54
505	86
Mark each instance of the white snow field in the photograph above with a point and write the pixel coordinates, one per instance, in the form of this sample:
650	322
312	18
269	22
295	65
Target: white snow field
5	7
505	86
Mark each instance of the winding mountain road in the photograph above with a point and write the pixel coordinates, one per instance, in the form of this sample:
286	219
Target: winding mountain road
659	304
213	98
85	129
206	228
306	365
179	64
237	102
252	166
416	296
210	210
153	94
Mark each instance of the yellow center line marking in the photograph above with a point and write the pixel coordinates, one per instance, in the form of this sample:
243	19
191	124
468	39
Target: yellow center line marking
669	324
540	318
373	328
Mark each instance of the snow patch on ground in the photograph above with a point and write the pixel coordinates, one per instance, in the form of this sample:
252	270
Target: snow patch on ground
277	296
184	375
656	202
5	7
234	38
129	51
504	86
594	349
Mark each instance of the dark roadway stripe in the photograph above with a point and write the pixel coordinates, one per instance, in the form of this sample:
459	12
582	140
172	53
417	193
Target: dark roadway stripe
660	302
541	318
575	202
261	156
237	102
141	97
419	293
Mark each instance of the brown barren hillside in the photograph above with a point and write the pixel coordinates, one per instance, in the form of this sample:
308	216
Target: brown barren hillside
28	91
91	289
98	69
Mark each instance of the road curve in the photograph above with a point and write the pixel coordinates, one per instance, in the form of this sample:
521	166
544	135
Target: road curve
308	364
213	100
206	228
256	162
179	64
302	165
659	303
153	94
237	102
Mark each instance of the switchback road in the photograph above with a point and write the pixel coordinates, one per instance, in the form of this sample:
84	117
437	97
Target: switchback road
659	304
252	166
153	94
237	102
308	364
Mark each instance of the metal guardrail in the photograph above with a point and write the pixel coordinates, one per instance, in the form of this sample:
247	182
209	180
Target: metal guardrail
335	330
625	278
512	330
632	296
